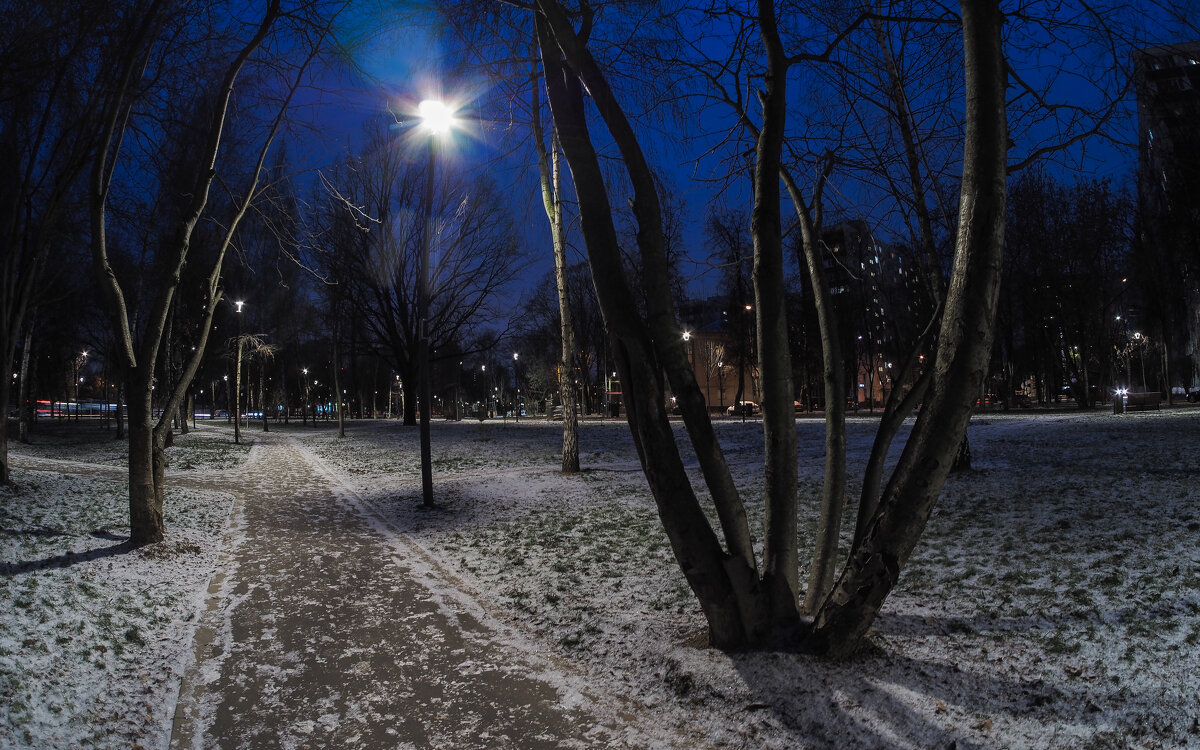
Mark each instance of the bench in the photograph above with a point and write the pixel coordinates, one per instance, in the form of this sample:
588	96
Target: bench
1151	400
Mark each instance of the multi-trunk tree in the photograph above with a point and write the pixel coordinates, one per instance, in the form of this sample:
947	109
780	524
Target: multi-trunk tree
747	605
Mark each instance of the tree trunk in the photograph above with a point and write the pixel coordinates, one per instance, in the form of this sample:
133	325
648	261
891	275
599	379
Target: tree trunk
5	392
780	555
725	585
337	388
145	494
408	387
833	491
237	393
28	410
550	177
566	388
262	392
119	410
897	409
188	411
964	348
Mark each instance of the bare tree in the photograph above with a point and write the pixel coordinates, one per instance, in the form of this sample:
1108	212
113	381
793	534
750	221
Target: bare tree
47	137
371	234
550	178
741	607
140	60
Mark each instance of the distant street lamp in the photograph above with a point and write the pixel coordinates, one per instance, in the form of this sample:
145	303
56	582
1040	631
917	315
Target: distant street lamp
307	400
517	389
237	380
76	379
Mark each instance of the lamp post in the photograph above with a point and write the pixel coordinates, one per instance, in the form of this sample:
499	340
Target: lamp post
237	380
691	352
741	399
437	119
76	380
307	400
516	390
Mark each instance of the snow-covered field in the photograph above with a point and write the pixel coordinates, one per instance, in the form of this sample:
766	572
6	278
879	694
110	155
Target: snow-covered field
1054	600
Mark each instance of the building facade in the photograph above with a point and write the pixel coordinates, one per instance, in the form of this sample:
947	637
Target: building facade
1167	81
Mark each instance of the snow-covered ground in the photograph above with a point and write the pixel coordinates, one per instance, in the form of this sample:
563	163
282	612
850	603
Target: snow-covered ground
1054	600
93	638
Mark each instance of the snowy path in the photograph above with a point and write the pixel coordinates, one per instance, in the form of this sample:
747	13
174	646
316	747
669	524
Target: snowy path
321	631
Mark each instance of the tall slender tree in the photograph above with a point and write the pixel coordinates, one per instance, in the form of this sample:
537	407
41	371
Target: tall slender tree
138	60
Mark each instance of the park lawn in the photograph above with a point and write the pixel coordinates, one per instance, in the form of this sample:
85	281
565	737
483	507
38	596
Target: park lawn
1054	600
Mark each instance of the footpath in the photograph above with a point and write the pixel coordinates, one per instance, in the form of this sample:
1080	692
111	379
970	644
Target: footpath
322	632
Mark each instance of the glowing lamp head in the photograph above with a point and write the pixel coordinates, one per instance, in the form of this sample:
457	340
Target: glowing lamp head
436	116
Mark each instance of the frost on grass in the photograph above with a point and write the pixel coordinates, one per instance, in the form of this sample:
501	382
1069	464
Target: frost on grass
1054	600
206	451
93	635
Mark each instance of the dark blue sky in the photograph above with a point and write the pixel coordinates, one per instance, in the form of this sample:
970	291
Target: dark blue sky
399	68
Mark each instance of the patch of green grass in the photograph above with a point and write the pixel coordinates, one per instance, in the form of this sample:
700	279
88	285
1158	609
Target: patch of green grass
203	452
1059	644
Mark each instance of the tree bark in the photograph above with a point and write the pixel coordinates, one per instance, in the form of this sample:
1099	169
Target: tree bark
262	392
725	586
550	177
408	385
337	386
780	554
237	392
964	348
145	500
833	490
28	409
661	322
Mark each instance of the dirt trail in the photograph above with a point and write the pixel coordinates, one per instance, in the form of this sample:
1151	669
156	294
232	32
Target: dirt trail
321	632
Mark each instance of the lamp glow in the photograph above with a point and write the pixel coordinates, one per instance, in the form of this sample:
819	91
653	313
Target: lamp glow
436	115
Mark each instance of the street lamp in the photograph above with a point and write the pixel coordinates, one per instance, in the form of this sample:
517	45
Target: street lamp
76	380
307	400
437	119
745	347
237	380
516	389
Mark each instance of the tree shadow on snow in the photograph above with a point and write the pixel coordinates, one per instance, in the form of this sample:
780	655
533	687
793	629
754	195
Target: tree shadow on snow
882	699
68	559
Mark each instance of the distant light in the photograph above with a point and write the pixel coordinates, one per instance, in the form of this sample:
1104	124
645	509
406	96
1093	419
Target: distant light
239	304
